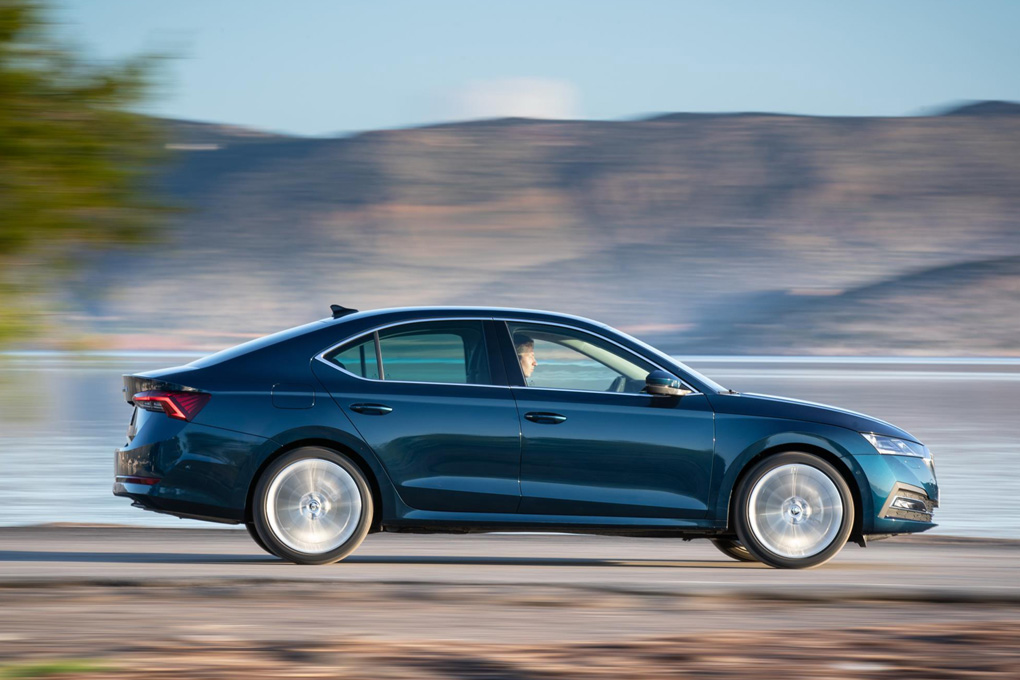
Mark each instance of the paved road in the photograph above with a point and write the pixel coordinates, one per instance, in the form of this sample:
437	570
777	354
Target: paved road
207	604
82	585
914	566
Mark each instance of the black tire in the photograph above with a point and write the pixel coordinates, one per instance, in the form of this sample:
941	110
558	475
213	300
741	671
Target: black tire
286	516
253	532
774	543
732	548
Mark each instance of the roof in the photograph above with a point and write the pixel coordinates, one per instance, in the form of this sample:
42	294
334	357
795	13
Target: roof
481	312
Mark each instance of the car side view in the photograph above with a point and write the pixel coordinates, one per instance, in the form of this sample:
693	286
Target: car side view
475	419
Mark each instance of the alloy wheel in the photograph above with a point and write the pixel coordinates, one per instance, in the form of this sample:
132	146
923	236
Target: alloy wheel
313	506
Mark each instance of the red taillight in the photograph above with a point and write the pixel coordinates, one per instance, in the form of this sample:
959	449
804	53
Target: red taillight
147	481
179	405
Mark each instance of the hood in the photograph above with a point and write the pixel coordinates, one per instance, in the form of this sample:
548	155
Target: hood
767	406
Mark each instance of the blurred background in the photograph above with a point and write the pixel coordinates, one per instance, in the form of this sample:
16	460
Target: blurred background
814	200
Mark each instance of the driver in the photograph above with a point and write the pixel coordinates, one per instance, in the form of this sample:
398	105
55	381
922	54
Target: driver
525	347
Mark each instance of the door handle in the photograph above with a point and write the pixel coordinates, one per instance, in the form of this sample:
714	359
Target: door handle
545	418
371	409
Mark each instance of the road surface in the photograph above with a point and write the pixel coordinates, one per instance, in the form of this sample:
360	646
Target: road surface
129	593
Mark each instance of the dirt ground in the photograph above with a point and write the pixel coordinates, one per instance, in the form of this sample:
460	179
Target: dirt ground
982	650
299	631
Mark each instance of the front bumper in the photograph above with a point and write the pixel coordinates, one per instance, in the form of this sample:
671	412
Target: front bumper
909	479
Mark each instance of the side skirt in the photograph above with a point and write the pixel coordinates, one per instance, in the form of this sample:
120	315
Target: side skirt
420	521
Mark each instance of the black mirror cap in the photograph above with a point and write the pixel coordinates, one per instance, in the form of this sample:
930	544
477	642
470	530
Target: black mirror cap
664	384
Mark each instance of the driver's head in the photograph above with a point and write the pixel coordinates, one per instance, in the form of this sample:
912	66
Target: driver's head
525	347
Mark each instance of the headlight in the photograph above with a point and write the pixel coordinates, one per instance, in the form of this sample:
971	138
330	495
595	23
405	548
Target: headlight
896	447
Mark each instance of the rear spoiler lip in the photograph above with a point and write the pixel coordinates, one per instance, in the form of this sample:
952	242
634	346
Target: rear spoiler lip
133	384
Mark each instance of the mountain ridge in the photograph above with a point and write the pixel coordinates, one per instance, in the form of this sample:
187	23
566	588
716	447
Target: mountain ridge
661	222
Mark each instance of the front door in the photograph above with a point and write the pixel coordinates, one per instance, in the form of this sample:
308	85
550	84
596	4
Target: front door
593	443
426	397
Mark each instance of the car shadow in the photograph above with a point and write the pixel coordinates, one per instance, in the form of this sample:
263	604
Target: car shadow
444	560
461	560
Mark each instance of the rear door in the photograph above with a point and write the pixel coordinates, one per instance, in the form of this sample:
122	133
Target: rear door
431	399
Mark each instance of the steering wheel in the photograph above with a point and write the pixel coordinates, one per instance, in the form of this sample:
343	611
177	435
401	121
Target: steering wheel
618	385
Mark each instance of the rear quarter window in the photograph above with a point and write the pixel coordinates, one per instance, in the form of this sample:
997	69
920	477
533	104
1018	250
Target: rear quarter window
358	359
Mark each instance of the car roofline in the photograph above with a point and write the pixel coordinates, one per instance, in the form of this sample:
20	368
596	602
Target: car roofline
473	311
701	383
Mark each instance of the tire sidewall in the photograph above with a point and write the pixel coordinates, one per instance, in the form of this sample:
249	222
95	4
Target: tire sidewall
265	532
254	533
742	511
732	548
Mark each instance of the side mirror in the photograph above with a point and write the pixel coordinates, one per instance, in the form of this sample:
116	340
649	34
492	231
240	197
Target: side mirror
664	384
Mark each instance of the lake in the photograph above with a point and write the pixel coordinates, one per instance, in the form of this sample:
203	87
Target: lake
62	415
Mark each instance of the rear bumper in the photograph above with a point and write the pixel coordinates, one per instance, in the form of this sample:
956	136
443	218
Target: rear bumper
899	477
198	472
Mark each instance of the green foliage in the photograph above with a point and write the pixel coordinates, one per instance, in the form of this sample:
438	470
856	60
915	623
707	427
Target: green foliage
49	669
75	162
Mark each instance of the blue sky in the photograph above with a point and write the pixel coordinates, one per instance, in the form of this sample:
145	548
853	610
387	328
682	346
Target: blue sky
326	67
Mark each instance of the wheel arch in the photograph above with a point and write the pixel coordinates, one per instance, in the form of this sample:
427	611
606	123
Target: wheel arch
333	445
838	462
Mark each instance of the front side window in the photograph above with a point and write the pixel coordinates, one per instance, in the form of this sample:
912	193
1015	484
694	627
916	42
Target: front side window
562	358
432	352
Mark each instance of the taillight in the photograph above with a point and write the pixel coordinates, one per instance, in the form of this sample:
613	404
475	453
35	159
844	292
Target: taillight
147	481
179	405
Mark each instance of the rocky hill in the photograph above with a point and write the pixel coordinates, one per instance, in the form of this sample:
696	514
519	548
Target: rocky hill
675	227
969	309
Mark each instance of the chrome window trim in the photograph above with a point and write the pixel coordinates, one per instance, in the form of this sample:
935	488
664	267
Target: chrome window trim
321	356
375	331
609	340
624	394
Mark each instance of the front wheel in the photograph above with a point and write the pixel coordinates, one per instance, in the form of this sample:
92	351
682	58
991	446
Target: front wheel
312	506
793	511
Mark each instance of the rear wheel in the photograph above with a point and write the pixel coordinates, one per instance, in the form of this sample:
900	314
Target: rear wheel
734	549
793	511
312	506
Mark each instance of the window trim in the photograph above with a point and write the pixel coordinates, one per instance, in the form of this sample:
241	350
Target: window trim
506	332
374	332
502	330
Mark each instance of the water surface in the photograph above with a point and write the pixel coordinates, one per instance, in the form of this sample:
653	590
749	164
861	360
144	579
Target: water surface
61	417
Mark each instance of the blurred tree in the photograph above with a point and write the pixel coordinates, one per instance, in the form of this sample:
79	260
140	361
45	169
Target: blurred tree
75	162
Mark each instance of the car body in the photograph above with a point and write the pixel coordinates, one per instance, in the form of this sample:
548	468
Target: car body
422	419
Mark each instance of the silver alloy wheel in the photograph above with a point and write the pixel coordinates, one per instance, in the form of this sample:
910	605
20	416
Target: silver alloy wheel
795	510
313	506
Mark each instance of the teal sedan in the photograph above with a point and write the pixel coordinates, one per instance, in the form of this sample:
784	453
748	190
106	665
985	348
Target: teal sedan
481	419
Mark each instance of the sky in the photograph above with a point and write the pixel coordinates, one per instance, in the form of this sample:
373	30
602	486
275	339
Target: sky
326	67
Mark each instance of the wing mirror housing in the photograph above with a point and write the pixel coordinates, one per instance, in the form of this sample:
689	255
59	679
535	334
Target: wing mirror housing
664	384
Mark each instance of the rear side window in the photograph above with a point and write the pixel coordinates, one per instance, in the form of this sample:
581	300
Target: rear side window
425	356
433	352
